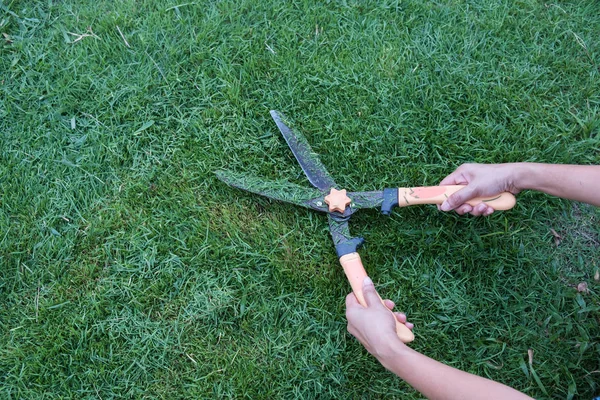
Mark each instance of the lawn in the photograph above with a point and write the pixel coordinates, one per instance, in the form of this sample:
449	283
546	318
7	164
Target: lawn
128	270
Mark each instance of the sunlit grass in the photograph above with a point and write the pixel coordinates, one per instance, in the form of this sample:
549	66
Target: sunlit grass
128	269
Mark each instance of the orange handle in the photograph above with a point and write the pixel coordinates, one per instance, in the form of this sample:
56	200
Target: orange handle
355	272
437	195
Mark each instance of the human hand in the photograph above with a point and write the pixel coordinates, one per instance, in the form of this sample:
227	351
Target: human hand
374	325
481	180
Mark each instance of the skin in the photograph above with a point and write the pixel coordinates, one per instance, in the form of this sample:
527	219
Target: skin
574	182
375	328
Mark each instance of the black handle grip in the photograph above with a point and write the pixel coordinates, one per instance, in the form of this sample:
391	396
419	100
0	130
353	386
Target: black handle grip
390	200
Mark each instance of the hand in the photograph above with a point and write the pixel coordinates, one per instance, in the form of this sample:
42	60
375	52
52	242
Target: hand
481	180
374	325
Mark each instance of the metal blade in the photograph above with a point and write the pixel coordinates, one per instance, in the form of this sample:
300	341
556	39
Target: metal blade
340	232
366	199
277	190
309	161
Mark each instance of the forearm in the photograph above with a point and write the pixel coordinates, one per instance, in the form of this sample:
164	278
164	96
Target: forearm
439	381
574	182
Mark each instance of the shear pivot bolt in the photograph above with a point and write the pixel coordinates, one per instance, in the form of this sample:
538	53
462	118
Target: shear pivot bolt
337	200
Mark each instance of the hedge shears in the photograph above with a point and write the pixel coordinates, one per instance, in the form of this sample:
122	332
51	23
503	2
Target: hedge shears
339	205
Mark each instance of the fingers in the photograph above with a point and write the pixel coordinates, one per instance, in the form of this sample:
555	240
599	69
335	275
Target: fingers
460	210
401	317
459	198
351	301
354	309
489	211
464	209
389	304
478	209
482	209
458	201
455	178
369	293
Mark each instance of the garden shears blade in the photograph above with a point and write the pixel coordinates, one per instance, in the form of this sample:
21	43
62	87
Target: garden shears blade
340	205
309	161
276	190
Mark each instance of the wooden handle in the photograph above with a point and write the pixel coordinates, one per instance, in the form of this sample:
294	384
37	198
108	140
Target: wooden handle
438	194
355	272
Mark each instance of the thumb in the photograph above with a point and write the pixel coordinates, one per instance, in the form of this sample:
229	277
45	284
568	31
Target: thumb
459	198
369	293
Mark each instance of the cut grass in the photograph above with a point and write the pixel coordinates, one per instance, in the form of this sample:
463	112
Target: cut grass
129	270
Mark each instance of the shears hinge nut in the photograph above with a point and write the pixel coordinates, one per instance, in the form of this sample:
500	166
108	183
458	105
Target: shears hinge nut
337	200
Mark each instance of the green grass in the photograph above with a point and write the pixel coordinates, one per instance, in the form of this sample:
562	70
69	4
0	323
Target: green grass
127	269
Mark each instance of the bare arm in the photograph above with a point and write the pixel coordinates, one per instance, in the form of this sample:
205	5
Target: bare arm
374	327
439	381
574	182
